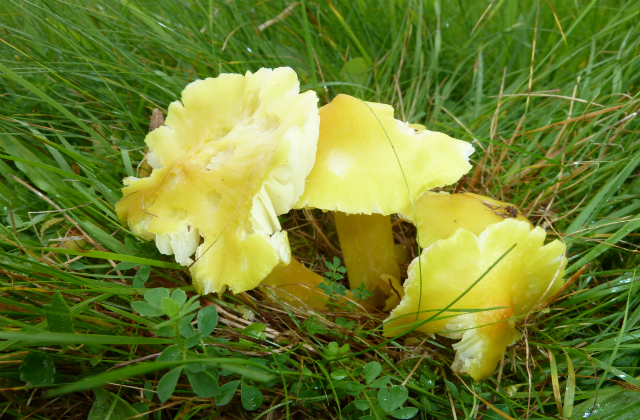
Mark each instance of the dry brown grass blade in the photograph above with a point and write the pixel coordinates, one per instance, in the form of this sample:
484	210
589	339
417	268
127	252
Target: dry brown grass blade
482	17
487	403
64	213
318	230
286	12
519	176
503	153
563	288
66	216
558	23
558	139
494	121
575	119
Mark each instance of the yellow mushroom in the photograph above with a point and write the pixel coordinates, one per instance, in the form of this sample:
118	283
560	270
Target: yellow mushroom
357	175
296	285
439	215
231	157
527	274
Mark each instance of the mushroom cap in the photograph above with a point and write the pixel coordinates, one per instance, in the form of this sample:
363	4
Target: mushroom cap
514	286
296	285
440	214
356	170
231	157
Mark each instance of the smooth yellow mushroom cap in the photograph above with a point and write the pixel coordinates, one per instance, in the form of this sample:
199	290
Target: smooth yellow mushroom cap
440	215
296	285
515	284
356	170
231	157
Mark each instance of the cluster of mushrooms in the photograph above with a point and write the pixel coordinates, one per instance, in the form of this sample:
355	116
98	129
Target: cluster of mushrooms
238	151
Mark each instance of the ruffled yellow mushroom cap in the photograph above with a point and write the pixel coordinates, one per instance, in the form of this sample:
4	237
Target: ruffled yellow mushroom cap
231	157
515	285
356	170
439	215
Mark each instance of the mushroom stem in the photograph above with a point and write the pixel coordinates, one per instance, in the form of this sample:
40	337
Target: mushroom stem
368	250
295	284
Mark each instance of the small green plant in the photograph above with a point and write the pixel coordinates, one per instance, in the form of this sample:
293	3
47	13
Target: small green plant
334	289
330	286
37	369
372	396
203	374
361	293
180	312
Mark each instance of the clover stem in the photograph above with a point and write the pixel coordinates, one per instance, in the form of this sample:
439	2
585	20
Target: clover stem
368	251
176	331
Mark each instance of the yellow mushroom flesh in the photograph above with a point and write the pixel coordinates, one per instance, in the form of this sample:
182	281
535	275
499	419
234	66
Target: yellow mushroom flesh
296	285
439	215
357	173
231	157
484	318
369	253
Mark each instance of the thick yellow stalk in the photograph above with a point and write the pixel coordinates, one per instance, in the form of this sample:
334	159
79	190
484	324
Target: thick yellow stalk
369	252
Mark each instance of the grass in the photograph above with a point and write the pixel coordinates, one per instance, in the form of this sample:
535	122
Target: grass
548	92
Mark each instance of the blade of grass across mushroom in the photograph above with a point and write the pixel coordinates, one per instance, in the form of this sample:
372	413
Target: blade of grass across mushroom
433	317
412	326
413	207
353	175
510	291
438	215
